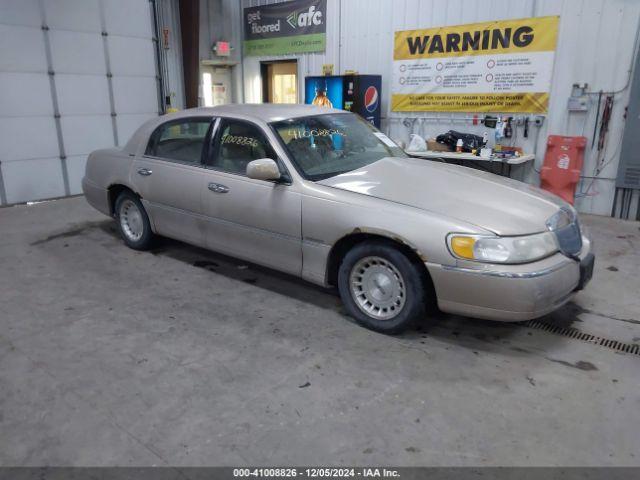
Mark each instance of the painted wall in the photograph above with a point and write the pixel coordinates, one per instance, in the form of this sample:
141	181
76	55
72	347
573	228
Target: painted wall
596	45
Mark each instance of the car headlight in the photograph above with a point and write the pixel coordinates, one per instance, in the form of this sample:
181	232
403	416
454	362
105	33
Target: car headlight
523	249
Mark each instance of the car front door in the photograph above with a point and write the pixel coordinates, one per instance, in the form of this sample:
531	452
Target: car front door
252	219
169	175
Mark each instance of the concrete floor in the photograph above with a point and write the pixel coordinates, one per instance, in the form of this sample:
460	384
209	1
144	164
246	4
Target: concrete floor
180	356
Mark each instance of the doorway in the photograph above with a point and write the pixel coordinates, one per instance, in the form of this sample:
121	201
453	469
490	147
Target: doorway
279	81
216	85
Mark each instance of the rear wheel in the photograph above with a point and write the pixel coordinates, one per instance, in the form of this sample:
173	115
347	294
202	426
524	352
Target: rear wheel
133	221
382	288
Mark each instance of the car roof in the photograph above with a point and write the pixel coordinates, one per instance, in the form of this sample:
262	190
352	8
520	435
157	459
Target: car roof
267	112
261	112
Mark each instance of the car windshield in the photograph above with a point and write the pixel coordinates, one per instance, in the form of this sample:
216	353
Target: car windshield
324	146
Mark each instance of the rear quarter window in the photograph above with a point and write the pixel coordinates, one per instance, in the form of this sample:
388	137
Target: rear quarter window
181	140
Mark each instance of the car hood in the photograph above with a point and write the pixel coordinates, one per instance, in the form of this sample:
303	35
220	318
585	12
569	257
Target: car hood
501	205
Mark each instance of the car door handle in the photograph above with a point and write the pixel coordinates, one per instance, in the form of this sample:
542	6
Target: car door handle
145	172
218	188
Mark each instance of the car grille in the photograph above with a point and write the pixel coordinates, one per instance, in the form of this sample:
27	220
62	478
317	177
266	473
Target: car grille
569	236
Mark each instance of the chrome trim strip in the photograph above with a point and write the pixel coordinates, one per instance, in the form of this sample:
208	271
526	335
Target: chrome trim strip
493	273
173	161
314	242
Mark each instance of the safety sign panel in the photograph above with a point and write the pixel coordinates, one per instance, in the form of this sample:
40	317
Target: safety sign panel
499	66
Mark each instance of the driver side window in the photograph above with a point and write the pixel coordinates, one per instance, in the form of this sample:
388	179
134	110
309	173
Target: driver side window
237	144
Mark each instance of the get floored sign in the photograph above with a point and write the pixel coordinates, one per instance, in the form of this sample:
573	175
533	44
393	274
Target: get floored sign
500	66
287	27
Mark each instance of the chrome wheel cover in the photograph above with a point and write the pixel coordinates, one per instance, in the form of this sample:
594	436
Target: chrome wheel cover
377	287
131	221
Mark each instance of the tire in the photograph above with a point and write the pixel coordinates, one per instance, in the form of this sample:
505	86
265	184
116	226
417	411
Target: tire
372	296
133	222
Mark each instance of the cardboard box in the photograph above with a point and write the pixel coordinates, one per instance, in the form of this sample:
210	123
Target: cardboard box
437	147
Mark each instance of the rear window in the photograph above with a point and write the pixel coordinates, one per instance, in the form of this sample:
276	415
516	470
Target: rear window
180	140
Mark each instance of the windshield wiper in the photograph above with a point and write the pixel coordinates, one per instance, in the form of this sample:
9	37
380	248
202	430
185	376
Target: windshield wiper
324	176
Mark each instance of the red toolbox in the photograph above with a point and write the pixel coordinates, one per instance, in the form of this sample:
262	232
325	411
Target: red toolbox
562	165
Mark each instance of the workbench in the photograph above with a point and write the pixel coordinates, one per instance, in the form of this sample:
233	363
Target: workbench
505	163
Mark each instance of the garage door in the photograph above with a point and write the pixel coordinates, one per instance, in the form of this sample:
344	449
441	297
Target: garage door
75	76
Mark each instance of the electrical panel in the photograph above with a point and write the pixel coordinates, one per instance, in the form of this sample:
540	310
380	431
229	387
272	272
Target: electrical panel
578	104
629	166
579	100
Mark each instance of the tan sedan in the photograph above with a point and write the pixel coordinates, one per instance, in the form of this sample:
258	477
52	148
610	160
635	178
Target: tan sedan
321	194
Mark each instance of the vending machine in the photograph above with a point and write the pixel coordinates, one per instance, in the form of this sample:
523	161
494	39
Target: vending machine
356	93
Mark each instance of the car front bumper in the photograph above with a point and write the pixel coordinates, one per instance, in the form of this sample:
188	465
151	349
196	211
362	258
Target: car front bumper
511	292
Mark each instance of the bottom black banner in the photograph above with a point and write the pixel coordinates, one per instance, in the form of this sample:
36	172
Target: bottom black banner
405	473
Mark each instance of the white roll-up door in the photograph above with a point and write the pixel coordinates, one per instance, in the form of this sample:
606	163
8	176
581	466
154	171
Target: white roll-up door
75	76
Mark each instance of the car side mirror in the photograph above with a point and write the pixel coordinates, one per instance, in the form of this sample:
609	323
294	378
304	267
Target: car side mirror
263	169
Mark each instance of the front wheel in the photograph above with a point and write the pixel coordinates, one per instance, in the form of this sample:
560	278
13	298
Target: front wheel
381	288
133	221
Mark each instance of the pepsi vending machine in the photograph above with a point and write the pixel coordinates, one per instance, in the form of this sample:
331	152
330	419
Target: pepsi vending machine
356	93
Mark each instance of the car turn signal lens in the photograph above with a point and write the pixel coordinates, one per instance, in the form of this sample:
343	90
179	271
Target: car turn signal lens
463	246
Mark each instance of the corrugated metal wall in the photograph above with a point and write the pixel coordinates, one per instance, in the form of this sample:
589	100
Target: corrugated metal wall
67	89
595	45
173	81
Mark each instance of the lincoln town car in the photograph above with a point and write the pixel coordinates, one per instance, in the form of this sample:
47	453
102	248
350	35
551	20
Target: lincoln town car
323	195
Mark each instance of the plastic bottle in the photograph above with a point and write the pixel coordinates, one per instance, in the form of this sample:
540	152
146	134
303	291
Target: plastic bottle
459	145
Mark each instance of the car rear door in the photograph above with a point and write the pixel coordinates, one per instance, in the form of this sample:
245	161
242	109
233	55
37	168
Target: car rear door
168	177
256	220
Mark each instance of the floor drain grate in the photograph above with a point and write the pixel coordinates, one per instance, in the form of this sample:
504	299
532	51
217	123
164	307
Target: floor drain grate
632	348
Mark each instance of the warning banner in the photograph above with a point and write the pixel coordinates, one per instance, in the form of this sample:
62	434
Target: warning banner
501	66
472	102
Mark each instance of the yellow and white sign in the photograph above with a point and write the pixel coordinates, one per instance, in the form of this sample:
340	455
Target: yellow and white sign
501	66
